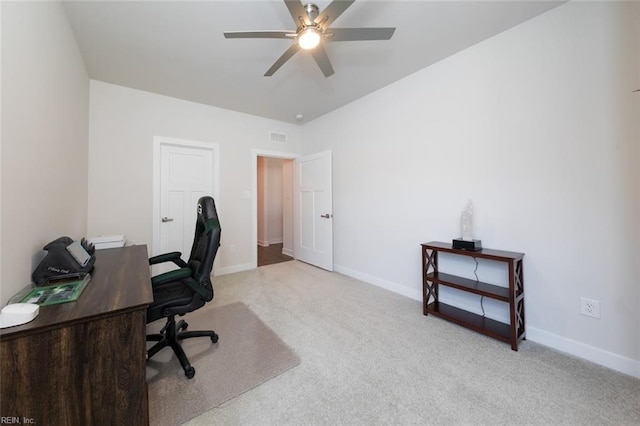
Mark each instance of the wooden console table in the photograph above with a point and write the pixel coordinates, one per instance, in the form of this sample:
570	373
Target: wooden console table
432	277
84	362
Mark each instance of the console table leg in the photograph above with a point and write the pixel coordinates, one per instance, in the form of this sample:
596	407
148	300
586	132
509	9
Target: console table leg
429	288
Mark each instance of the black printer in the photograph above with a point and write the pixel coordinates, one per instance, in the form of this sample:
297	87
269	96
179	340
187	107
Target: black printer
65	257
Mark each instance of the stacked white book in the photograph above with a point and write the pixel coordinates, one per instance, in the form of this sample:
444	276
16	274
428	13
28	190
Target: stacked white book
108	241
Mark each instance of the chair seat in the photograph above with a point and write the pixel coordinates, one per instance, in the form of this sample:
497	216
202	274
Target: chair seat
174	295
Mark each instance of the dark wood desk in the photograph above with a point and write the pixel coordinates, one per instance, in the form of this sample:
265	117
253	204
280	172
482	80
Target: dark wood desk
83	363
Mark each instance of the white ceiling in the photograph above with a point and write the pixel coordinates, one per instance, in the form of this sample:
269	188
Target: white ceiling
178	48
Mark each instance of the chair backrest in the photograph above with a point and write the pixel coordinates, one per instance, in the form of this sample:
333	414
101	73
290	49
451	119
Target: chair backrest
205	244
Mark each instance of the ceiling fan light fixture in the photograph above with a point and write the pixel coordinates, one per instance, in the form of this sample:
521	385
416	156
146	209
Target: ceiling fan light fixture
309	38
313	28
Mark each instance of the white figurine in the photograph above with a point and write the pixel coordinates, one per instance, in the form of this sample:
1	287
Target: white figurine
466	223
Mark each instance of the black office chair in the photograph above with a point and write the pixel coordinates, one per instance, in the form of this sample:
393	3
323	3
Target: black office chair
186	289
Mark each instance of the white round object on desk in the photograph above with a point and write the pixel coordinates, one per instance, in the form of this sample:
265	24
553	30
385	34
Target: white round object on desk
18	314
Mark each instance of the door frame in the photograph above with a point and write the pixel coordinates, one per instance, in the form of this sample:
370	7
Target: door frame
158	143
255	153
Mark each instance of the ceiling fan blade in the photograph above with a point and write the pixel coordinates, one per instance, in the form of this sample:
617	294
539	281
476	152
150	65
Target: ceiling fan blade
320	55
282	59
260	34
296	9
349	34
331	12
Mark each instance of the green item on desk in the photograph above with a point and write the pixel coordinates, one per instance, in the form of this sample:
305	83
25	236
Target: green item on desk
59	291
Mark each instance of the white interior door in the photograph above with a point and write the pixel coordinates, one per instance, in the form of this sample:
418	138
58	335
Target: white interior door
186	172
312	214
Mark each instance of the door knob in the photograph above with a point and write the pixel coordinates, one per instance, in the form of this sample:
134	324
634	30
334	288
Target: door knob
326	215
167	219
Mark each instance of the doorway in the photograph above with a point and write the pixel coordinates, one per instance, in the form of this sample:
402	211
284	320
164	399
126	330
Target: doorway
311	202
274	210
183	171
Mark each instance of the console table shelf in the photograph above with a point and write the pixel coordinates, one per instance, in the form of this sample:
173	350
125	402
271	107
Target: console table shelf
484	325
472	286
511	333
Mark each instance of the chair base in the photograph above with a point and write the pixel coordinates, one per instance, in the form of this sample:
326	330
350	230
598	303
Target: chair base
171	335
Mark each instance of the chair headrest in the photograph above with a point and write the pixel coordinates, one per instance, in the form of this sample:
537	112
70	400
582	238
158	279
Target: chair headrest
207	213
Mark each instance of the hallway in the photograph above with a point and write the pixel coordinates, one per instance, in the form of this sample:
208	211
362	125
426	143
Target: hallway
271	254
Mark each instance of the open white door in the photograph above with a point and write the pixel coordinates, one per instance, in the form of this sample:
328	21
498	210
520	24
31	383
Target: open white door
312	212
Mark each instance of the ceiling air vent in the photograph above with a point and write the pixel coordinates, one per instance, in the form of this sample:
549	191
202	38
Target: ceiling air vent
277	137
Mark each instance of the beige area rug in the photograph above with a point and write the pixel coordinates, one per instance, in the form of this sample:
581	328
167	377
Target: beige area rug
247	354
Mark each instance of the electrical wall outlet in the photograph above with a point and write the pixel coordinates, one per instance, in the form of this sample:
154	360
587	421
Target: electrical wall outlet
590	307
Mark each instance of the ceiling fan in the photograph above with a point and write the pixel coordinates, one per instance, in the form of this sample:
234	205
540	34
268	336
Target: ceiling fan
312	30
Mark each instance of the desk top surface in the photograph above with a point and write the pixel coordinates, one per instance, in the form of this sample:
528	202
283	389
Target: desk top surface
120	281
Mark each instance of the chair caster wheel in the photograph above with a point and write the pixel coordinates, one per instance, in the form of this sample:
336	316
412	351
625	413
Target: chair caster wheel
214	338
184	325
190	372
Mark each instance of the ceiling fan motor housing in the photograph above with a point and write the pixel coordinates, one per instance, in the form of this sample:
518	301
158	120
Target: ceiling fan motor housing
312	11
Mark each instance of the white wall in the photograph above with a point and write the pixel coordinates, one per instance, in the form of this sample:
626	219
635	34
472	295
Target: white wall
287	207
263	239
274	200
8	291
270	201
123	123
538	126
45	115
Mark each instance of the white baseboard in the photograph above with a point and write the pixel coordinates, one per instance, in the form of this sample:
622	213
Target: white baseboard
263	243
590	353
379	282
287	251
234	268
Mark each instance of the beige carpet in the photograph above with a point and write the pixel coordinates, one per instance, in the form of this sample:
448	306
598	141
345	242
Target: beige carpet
372	359
247	354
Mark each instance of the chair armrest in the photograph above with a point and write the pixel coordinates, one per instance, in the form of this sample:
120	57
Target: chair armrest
197	288
168	257
175	275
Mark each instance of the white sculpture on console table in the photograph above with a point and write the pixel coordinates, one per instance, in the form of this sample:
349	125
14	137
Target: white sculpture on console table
466	240
466	222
